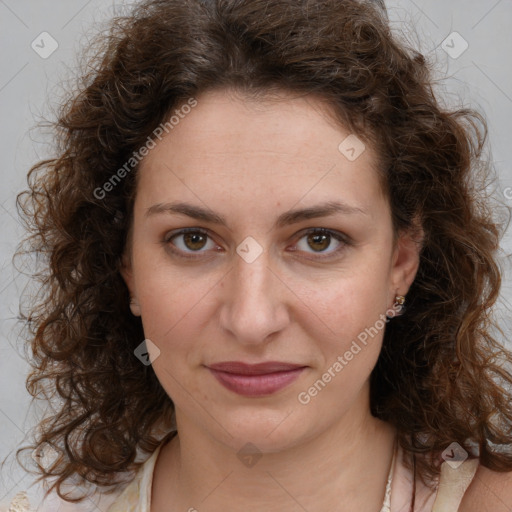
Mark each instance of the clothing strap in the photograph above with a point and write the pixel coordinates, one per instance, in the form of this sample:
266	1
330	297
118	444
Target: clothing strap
386	505
453	483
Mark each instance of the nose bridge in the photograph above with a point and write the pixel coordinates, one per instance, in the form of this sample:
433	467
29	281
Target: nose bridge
253	309
252	278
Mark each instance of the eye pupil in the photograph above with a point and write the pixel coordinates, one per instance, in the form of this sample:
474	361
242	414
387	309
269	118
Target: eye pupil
194	241
322	239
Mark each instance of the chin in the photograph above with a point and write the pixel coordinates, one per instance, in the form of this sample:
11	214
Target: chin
269	429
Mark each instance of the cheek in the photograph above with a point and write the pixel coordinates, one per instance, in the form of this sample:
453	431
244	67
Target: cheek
175	316
344	322
347	342
339	309
168	295
173	310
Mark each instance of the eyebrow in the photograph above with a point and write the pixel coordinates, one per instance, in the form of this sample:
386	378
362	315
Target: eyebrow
286	218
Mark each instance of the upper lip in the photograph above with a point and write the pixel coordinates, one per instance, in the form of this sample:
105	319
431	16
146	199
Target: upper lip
240	368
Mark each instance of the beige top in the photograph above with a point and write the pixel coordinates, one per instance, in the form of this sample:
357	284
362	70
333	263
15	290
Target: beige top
448	492
136	496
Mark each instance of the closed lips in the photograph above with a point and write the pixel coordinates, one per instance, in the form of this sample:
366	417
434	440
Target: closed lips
255	380
240	368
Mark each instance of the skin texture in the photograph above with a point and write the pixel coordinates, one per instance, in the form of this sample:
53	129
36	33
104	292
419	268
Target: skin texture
489	491
250	161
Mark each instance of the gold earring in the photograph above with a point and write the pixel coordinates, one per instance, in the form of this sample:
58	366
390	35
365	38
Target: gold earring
398	307
399	304
400	300
134	307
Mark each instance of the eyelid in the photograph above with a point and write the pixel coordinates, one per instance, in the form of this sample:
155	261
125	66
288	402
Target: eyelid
344	239
334	233
183	231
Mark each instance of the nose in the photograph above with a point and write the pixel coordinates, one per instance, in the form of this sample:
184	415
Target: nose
254	301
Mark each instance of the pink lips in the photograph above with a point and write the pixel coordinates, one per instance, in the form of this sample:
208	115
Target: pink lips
255	379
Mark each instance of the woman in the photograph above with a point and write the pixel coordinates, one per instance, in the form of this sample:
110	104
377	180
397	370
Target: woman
270	272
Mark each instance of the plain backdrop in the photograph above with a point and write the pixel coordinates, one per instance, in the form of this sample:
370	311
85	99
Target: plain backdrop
469	41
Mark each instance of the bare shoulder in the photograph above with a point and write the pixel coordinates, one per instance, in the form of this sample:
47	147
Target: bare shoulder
489	491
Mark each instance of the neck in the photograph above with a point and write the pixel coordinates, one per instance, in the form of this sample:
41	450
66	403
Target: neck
344	468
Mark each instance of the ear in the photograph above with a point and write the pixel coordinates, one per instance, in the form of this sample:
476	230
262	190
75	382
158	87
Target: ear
406	259
127	275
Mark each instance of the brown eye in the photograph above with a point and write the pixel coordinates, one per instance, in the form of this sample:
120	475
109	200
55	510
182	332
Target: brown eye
194	241
319	242
189	241
323	242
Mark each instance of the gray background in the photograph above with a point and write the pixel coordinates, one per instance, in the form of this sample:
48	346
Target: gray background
30	84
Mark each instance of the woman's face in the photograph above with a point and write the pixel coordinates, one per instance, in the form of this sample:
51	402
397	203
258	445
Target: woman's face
254	279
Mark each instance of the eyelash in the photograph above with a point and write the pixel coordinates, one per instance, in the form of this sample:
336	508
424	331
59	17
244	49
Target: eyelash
340	237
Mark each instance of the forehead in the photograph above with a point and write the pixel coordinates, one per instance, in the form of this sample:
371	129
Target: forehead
284	144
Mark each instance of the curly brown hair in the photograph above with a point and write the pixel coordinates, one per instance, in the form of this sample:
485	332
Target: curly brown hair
441	377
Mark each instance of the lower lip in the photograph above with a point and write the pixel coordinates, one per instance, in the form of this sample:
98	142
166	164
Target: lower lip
256	385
